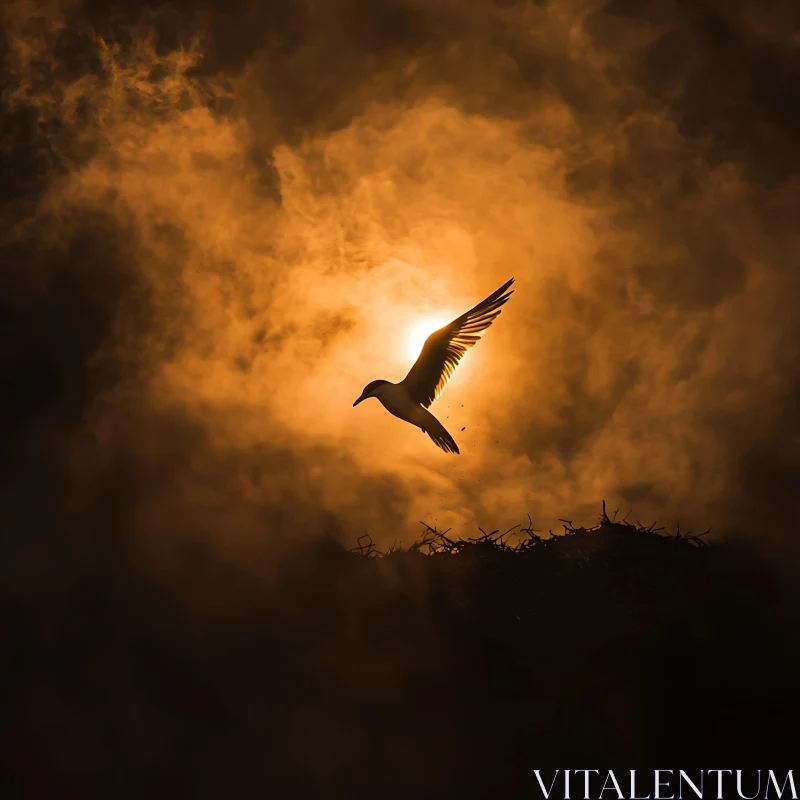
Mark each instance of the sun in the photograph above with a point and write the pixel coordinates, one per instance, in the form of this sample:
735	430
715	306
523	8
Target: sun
418	332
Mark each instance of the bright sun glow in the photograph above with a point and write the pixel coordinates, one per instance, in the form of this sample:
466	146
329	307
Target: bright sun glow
418	332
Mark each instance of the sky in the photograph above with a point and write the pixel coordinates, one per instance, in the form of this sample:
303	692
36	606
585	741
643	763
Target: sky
221	221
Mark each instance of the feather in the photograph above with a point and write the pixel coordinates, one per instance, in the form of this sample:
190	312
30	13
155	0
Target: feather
444	348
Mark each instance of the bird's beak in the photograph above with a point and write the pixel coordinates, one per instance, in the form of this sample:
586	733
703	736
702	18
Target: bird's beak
359	400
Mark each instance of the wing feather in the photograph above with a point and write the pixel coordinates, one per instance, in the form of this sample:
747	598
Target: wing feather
444	348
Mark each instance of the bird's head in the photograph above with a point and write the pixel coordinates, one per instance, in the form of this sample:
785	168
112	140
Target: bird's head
369	391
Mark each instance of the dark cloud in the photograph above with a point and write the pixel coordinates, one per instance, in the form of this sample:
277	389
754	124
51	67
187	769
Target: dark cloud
669	136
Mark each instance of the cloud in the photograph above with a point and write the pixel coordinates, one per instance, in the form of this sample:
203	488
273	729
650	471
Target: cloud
221	222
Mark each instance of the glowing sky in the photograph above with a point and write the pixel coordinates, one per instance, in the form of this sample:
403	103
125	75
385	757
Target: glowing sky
224	223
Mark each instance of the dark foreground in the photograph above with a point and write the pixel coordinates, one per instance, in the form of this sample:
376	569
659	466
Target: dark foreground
408	675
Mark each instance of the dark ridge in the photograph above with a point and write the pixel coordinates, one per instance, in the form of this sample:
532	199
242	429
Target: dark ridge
451	668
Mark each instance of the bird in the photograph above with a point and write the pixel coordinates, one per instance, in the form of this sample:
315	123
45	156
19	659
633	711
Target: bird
443	349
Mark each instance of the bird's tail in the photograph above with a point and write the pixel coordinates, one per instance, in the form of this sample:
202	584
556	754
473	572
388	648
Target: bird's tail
440	436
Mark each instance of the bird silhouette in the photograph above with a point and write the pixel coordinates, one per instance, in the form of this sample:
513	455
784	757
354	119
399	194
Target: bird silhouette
409	400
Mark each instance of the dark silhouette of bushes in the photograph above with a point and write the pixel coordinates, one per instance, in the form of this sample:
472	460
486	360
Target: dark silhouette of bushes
451	668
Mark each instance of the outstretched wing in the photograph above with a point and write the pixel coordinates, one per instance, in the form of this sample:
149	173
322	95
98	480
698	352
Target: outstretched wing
445	348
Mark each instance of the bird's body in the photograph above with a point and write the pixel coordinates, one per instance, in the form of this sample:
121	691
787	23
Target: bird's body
397	400
409	399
